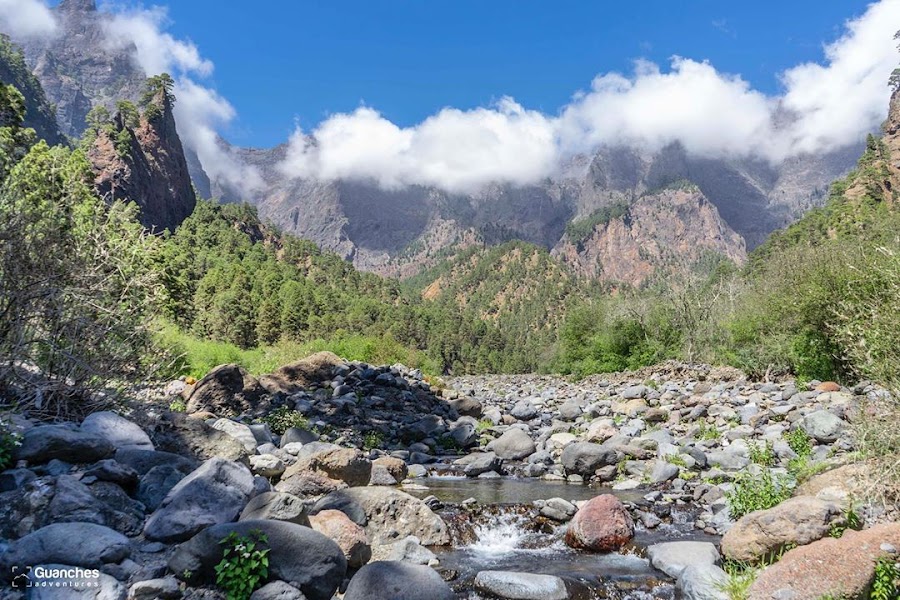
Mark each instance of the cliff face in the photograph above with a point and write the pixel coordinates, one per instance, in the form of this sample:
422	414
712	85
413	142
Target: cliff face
39	115
152	172
670	231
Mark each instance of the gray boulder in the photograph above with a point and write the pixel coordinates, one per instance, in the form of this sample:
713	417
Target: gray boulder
397	581
514	444
482	462
276	506
584	458
298	435
240	432
299	556
822	425
524	410
663	471
156	484
521	586
117	430
47	442
78	544
103	587
165	588
702	582
674	557
216	492
277	590
143	461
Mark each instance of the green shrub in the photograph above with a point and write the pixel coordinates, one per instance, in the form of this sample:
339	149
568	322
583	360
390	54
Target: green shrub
763	454
800	442
9	439
887	580
740	577
178	406
373	440
707	431
850	519
244	564
756	492
283	418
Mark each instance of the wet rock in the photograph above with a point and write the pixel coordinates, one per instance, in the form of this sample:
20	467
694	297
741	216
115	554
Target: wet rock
558	509
521	586
482	462
836	568
799	521
349	536
47	442
216	492
514	444
602	524
299	556
276	506
117	430
397	581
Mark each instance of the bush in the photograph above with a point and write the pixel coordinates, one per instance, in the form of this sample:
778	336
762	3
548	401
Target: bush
750	493
283	418
9	439
763	454
244	564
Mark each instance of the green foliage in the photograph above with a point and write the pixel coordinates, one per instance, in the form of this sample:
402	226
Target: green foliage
483	425
37	112
178	406
9	440
244	564
740	577
372	440
283	418
800	442
158	91
763	454
887	580
850	519
579	230
707	431
756	492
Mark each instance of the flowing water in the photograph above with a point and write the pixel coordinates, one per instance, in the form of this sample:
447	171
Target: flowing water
505	534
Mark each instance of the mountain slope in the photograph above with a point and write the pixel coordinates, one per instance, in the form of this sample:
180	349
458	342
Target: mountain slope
39	114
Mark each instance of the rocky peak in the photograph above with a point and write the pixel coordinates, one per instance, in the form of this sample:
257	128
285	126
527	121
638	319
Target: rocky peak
146	165
892	134
76	6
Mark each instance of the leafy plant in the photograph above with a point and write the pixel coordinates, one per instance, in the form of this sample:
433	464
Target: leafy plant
849	520
283	418
800	442
887	577
707	432
750	493
740	577
373	439
244	564
483	425
763	454
9	439
178	406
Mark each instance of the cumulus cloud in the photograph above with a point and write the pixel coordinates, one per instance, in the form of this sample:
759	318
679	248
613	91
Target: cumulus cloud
822	106
200	111
24	19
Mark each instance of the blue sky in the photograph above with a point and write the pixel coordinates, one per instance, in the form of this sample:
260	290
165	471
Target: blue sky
278	61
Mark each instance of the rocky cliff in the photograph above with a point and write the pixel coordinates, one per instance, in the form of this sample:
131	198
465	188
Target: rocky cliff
145	164
671	230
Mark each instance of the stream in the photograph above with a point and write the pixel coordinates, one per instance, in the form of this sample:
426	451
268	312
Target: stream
504	533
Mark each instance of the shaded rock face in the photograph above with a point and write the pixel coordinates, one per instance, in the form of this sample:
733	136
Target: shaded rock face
601	525
834	568
153	173
226	390
390	580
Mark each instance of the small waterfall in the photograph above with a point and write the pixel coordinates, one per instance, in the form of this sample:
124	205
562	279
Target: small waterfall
509	532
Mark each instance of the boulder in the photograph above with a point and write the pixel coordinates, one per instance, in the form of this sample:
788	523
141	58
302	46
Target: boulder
674	557
409	549
397	581
102	587
78	544
702	582
143	461
467	406
396	467
226	390
276	506
342	464
558	509
584	458
387	515
156	485
180	434
348	535
216	492
298	435
165	588
47	442
823	425
834	568
303	374
267	465
521	586
514	444
763	533
482	462
240	432
299	556
524	410
119	431
602	525
307	484
277	590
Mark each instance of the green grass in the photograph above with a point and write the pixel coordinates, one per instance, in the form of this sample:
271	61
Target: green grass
756	492
198	357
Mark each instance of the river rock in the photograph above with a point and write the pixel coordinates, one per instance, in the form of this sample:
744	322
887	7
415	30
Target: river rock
118	431
702	582
602	524
387	515
521	586
165	588
298	435
348	535
47	442
409	549
558	509
267	465
277	506
103	587
394	466
216	492
277	590
584	458
762	533
304	558
482	462
77	544
397	581
674	557
823	425
226	390
514	444
341	464
240	432
524	410
834	568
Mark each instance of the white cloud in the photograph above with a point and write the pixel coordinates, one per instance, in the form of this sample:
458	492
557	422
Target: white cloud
822	107
23	19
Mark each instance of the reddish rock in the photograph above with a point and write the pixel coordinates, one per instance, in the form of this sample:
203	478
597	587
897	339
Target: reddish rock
834	568
602	525
348	535
828	386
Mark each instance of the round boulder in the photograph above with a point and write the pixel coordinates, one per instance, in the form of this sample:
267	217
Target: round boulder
348	535
397	581
601	525
514	444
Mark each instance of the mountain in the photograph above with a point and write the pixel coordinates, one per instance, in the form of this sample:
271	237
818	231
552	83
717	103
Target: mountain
39	114
401	232
139	158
